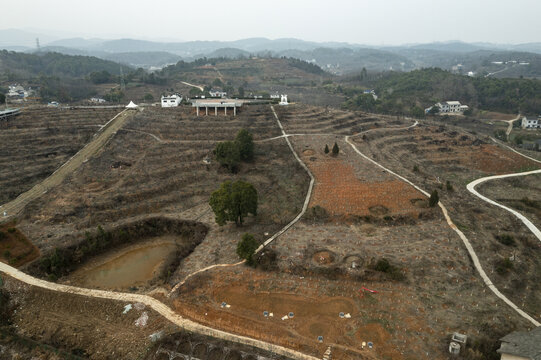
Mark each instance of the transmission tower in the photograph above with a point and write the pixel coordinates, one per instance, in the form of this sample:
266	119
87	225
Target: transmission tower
122	83
37	45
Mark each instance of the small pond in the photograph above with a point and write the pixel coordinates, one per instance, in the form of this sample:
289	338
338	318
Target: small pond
129	267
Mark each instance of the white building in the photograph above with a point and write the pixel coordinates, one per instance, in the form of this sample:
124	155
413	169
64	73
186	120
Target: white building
217	93
531	123
97	100
449	107
283	100
171	101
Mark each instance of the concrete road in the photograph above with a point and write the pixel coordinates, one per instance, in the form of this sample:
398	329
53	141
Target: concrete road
14	207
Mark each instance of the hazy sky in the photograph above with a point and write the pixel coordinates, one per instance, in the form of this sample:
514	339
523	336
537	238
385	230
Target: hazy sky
356	21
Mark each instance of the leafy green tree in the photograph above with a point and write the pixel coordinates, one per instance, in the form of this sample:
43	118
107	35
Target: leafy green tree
335	149
245	144
233	201
241	91
228	155
365	102
148	97
246	248
326	149
101	77
114	96
2	98
417	112
434	198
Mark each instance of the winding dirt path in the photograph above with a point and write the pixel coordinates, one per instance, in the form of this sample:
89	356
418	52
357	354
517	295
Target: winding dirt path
471	188
192	85
463	237
157	306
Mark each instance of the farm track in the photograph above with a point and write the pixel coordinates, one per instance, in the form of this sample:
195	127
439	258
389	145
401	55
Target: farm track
192	326
404	141
162	308
464	239
13	207
471	188
157	306
39	141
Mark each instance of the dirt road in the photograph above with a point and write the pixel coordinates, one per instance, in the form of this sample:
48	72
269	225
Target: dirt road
156	305
192	85
12	208
463	237
510	126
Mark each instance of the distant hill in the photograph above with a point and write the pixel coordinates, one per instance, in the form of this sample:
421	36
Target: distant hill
335	57
231	53
410	93
344	60
23	65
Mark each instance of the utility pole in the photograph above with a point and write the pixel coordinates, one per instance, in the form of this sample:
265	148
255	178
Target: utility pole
37	45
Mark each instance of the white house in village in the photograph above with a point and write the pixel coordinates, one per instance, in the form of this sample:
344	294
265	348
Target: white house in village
217	93
283	100
531	123
171	101
449	107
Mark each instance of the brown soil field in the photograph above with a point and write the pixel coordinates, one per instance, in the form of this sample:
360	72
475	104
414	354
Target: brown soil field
71	323
315	314
15	249
521	193
348	185
447	149
444	153
305	119
37	142
492	115
404	321
341	193
136	176
154	167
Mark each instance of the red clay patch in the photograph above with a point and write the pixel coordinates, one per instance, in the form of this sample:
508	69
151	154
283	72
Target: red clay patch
341	193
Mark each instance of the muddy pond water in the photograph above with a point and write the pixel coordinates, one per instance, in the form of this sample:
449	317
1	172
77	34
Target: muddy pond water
130	266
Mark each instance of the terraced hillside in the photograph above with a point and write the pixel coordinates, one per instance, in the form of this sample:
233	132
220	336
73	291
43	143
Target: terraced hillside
304	119
161	162
432	155
37	142
371	232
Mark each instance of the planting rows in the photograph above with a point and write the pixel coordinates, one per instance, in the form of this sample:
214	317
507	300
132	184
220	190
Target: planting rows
137	175
182	124
432	155
317	120
443	151
35	143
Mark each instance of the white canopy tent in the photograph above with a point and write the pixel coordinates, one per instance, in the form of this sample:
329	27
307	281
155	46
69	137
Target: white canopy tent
131	105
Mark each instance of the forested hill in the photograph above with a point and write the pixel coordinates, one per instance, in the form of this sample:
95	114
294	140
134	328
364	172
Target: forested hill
409	93
20	66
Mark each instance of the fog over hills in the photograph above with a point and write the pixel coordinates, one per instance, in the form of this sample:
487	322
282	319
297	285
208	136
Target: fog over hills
335	57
